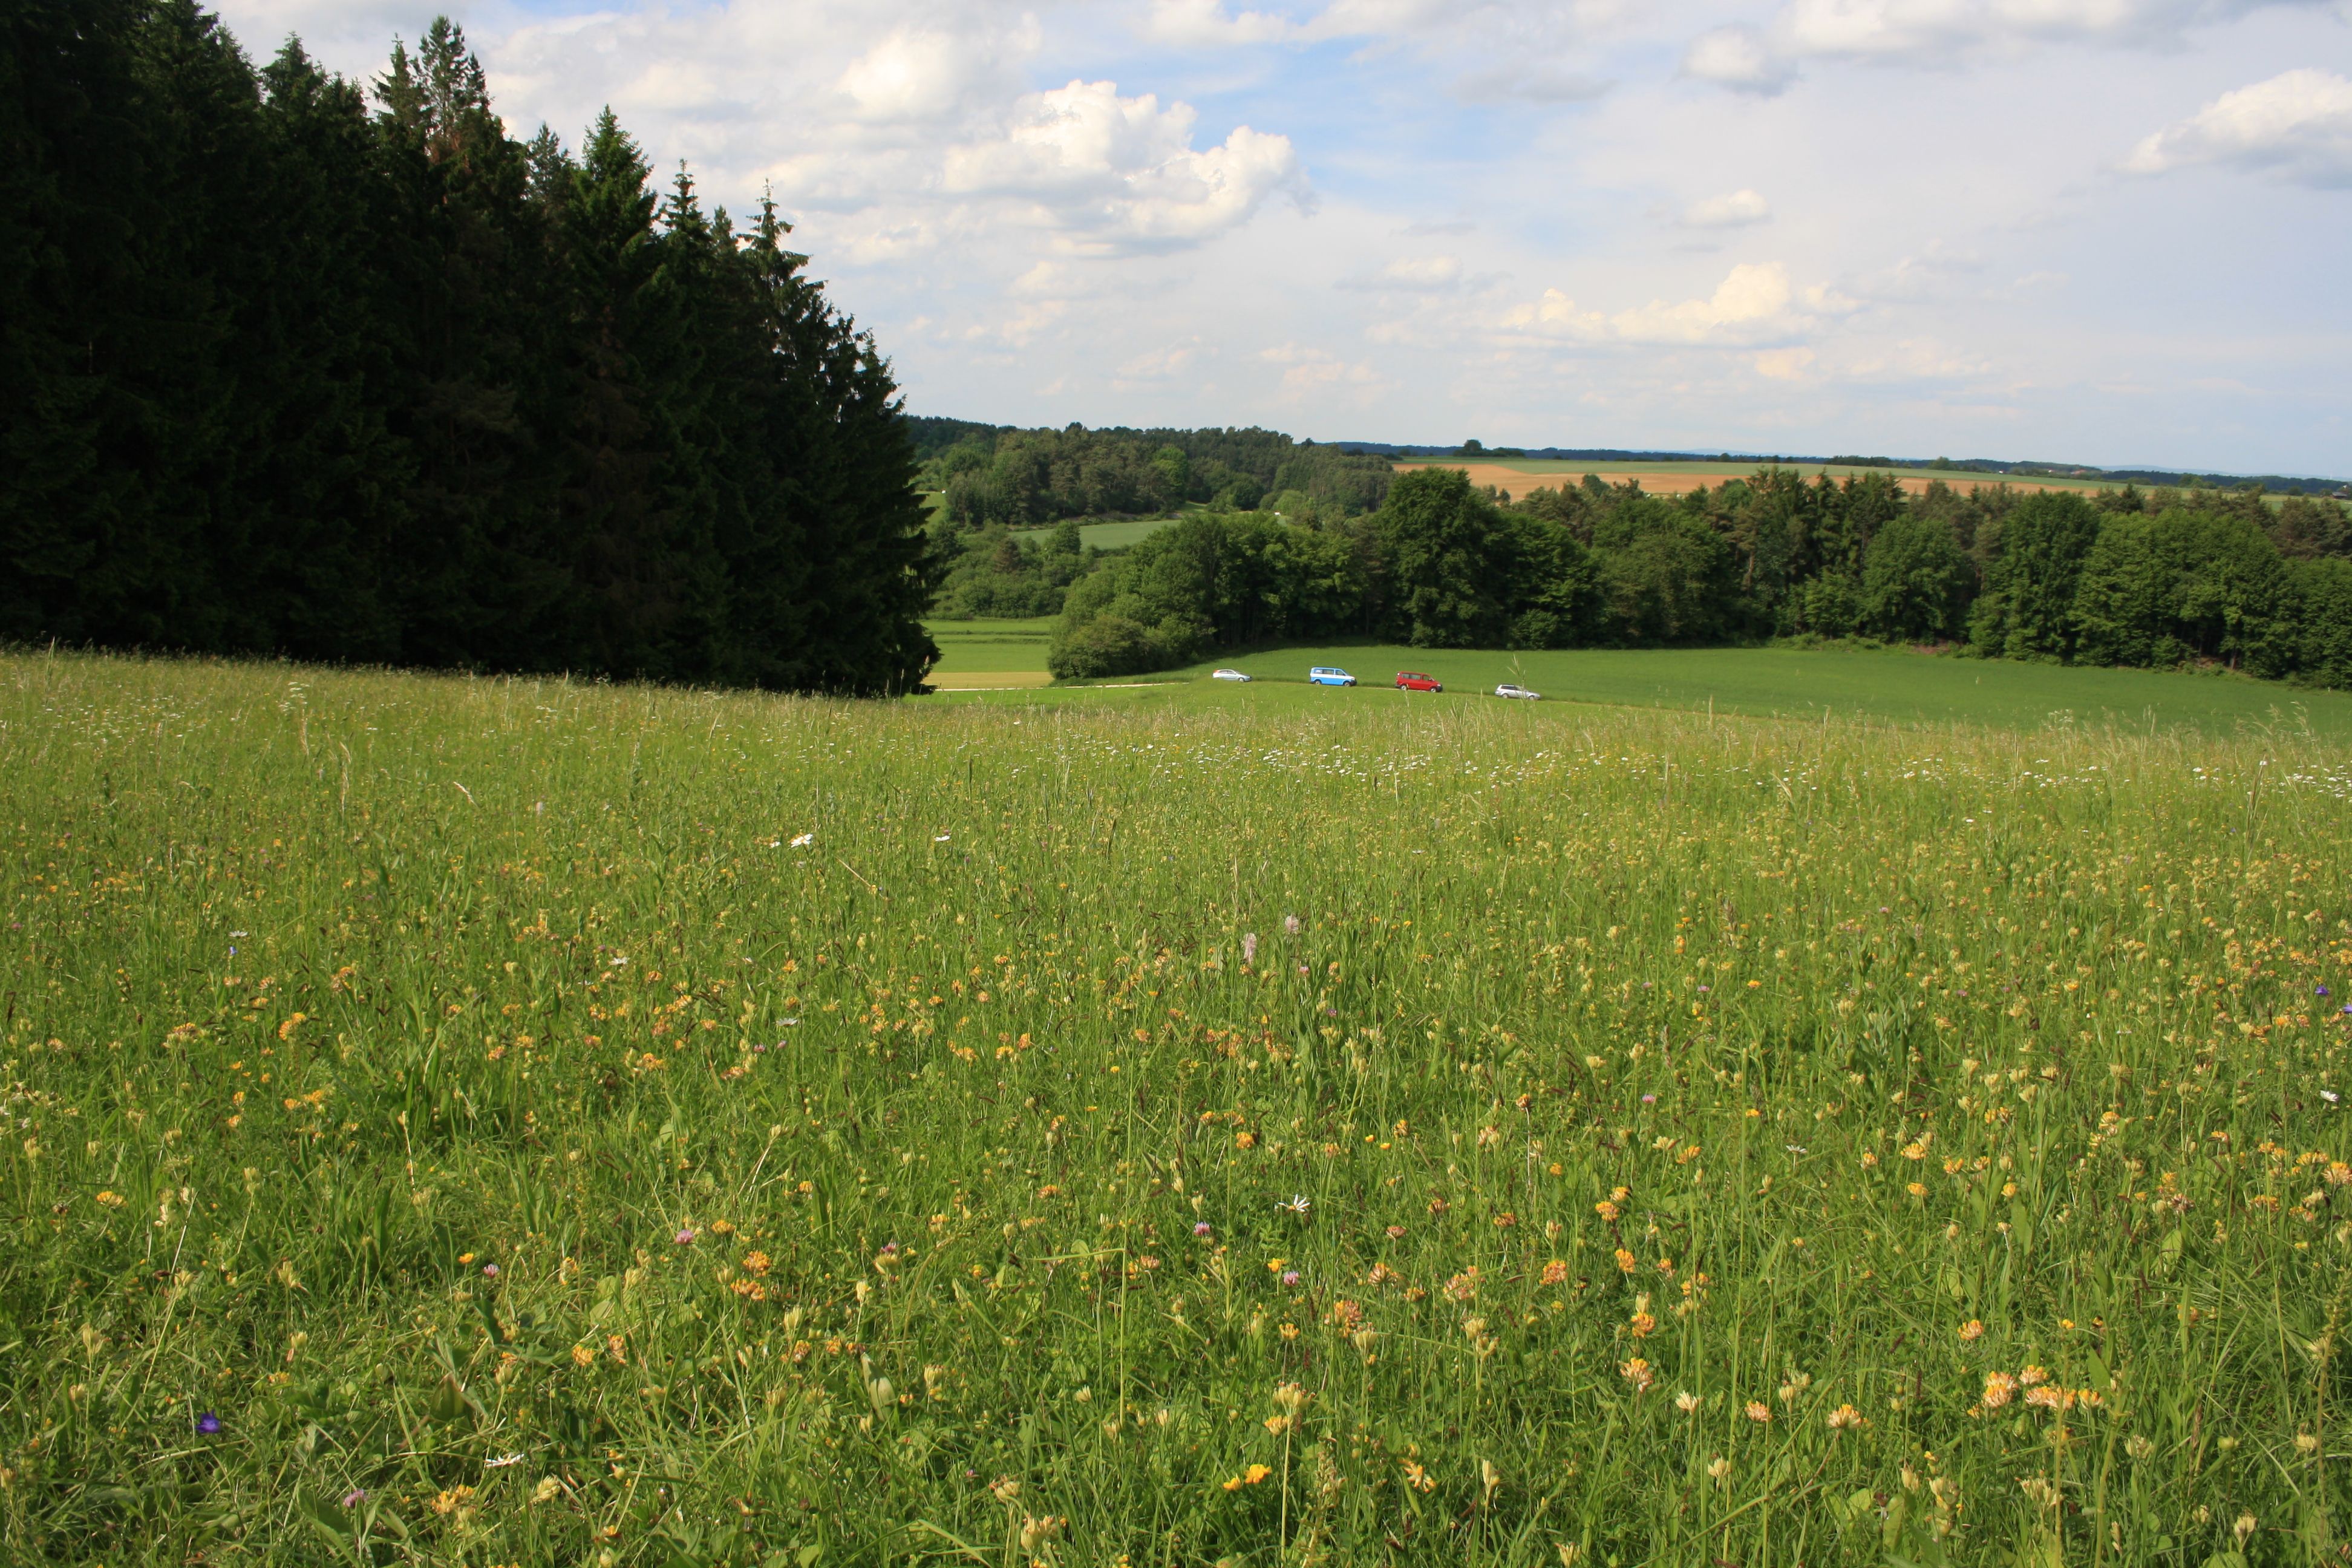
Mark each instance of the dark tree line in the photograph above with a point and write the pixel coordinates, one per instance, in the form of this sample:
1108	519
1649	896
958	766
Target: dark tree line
1018	478
289	366
2160	578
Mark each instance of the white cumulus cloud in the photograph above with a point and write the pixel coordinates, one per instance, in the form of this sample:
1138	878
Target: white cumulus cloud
909	76
1121	173
1753	305
1205	24
1737	56
1942	33
2298	125
1923	30
1412	275
1530	82
1783	364
1737	210
1309	370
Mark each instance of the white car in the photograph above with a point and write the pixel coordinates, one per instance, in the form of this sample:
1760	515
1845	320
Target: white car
1227	675
1508	689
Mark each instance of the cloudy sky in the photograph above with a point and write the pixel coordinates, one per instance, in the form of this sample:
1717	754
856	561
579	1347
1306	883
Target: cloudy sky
2110	231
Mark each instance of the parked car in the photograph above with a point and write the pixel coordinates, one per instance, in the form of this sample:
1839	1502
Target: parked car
1227	675
1413	680
1326	674
1508	689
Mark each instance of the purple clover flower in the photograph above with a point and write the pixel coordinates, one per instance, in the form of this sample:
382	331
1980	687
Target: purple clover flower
1290	1277
1201	1228
684	1239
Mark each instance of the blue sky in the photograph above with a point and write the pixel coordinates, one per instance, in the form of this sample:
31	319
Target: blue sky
2112	231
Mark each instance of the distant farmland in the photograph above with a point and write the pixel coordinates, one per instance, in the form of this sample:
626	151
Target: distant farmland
1518	476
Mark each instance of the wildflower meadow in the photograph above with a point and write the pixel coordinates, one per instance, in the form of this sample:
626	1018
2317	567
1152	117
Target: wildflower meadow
486	1122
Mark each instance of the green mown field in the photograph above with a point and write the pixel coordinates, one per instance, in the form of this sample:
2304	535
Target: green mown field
1120	534
989	647
485	1121
1893	685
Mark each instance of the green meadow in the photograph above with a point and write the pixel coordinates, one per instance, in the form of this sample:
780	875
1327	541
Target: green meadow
1119	535
1891	686
1894	685
469	1122
989	647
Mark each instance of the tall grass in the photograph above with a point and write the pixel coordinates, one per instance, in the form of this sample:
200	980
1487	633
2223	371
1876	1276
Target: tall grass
486	1122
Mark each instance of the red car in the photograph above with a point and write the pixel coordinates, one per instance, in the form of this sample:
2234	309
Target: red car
1413	680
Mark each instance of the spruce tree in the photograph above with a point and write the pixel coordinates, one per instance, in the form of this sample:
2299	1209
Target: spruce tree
325	486
480	578
280	376
74	152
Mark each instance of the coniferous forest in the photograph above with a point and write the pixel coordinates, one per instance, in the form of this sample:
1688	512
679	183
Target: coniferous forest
293	365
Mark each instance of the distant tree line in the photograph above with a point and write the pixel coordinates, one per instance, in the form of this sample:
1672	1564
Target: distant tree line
2155	578
288	366
1019	479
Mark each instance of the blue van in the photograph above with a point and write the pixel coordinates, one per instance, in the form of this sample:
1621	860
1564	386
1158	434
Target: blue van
1325	675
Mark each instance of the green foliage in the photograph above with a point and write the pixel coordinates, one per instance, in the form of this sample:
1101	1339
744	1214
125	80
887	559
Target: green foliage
1212	580
284	377
2318	615
1440	540
2027	608
933	436
1176	1135
1024	477
2180	585
996	572
1109	644
2308	530
1828	606
1915	581
1040	476
1664	575
1175	468
1556	601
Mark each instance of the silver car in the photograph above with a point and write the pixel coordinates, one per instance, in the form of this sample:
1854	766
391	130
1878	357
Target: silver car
1508	689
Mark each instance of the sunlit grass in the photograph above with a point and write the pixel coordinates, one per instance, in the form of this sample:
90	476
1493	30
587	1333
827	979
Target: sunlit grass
486	1121
1889	684
989	647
